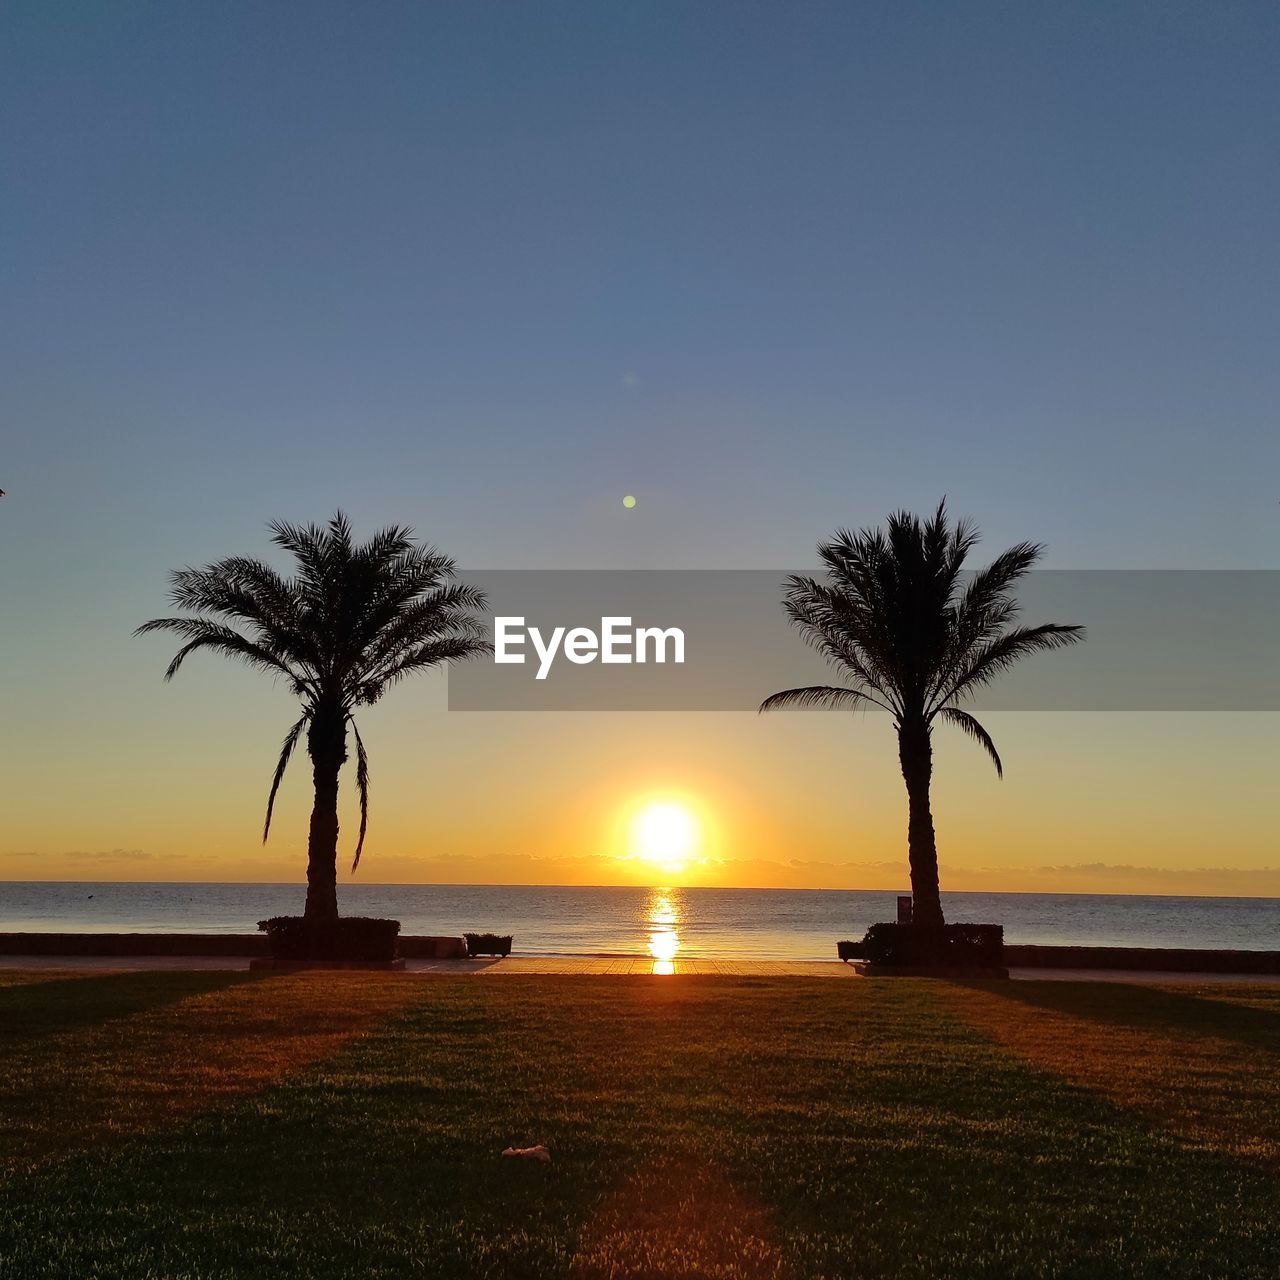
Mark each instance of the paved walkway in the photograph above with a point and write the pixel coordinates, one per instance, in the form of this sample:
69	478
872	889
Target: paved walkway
638	964
618	965
1163	977
595	965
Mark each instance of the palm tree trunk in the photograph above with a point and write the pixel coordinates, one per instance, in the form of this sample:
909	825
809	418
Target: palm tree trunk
915	754
327	745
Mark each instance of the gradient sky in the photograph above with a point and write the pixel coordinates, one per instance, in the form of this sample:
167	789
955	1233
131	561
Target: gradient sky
486	268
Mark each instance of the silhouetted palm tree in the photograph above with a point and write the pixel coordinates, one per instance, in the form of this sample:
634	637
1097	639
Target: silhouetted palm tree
908	633
351	623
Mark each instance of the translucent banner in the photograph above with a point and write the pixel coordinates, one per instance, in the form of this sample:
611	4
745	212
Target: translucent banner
718	640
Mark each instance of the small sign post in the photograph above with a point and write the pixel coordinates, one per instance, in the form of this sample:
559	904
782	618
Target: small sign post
904	908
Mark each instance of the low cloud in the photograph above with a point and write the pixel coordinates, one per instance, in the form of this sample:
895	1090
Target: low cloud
286	865
1108	877
1124	869
86	855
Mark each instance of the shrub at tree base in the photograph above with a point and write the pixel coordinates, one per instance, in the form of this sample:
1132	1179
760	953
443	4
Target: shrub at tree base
488	944
347	938
956	946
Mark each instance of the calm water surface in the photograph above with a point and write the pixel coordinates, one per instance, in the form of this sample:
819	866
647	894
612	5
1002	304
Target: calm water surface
663	923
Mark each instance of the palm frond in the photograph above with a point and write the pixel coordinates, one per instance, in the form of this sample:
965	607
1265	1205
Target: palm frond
993	582
835	625
821	695
286	751
985	607
397	624
240	590
1004	652
963	720
422	657
389	544
362	789
205	634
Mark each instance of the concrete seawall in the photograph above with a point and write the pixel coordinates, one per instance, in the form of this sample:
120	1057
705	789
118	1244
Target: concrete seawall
1146	959
414	947
421	947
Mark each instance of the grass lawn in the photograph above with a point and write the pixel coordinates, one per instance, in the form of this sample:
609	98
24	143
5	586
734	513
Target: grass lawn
222	1125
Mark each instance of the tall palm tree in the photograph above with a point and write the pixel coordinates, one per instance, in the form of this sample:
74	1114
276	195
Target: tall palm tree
353	621
910	636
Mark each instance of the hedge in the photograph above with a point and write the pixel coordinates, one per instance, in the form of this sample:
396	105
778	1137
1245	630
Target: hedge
961	946
347	938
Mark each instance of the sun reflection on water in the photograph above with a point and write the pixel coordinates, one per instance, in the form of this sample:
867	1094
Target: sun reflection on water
662	915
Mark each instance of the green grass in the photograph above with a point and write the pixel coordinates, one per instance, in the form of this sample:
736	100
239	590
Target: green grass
185	1125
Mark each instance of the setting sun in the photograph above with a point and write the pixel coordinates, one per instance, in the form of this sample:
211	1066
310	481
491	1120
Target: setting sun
666	834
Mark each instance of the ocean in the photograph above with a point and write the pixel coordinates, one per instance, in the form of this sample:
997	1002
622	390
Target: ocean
785	924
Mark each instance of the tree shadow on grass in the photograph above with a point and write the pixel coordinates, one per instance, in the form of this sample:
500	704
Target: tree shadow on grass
208	1041
1146	1007
1202	1070
51	1005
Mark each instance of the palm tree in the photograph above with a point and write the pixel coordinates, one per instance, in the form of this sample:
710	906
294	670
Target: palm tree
353	621
911	637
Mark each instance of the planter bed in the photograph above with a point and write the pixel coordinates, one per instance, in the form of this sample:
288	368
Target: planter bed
487	944
362	940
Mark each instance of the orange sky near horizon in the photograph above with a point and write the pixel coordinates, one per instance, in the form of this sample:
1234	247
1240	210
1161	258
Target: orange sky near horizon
1091	802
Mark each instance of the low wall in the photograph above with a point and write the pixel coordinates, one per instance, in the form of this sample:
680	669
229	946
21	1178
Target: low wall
133	944
1147	959
1139	959
414	947
420	947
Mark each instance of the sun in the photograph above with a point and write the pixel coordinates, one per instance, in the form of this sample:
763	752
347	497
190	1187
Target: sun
665	834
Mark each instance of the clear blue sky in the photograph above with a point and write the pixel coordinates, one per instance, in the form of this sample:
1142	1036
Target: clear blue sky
486	268
266	258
